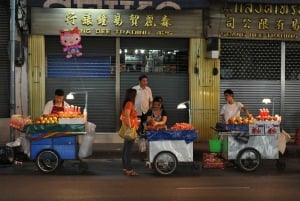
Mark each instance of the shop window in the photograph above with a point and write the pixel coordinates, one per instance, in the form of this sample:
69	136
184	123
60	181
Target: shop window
153	60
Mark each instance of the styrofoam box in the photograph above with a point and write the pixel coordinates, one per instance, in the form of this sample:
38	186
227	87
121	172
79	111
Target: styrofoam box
258	128
71	121
272	127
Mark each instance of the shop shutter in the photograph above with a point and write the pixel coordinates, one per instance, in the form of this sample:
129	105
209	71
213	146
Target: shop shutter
292	88
98	53
252	69
4	62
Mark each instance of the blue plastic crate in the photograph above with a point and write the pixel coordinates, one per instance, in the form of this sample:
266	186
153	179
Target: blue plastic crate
35	149
64	140
36	138
66	151
63	151
65	147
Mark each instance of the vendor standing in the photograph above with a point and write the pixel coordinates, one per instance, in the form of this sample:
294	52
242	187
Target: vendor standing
232	108
57	104
143	101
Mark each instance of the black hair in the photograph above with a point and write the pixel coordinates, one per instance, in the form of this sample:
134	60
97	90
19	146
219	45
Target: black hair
129	96
158	99
228	91
59	92
142	77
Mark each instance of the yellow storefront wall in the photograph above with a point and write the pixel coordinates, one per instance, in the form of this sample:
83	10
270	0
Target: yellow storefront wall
36	73
204	89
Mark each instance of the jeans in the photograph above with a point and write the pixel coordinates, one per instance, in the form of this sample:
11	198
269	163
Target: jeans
127	154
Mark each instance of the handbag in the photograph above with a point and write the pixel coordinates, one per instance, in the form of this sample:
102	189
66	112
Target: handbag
127	133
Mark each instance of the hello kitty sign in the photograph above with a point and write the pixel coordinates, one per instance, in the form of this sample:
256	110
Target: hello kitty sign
71	41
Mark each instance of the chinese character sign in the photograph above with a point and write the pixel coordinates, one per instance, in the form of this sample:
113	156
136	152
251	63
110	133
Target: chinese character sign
71	41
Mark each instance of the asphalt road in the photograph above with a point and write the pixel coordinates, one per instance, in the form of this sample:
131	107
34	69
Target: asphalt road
104	181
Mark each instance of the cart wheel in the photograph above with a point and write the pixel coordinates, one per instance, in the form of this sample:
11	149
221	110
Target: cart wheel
48	161
165	163
248	159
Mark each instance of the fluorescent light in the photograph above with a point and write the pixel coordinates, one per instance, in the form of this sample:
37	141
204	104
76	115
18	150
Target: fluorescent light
183	105
70	96
266	100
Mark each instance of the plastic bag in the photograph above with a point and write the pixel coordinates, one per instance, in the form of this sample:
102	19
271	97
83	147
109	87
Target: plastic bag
142	144
86	146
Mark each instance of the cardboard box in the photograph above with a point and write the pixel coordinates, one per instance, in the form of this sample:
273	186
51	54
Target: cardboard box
213	161
272	127
258	128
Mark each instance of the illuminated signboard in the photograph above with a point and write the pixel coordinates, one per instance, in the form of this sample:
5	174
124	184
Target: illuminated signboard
261	21
122	23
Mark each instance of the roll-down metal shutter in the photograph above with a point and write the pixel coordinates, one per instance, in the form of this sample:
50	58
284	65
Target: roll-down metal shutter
252	69
92	72
4	61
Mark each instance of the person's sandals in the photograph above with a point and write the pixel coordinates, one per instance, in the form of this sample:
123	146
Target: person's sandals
131	173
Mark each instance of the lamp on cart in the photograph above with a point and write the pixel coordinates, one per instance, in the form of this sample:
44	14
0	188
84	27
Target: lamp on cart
270	100
185	105
70	96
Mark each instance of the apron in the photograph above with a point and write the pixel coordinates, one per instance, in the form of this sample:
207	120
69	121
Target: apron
57	109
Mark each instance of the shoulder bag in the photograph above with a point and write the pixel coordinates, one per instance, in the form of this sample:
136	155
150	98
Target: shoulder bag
127	133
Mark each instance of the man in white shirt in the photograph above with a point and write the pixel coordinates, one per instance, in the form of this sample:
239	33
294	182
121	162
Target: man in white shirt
232	108
143	100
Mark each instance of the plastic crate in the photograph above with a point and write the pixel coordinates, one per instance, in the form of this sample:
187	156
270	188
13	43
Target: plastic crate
65	147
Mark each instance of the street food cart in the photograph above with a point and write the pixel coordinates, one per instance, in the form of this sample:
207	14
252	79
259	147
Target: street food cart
167	148
247	145
50	145
50	140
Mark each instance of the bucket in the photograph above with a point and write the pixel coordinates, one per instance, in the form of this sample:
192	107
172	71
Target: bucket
215	145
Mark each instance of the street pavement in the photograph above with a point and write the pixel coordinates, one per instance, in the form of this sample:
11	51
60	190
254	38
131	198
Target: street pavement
114	150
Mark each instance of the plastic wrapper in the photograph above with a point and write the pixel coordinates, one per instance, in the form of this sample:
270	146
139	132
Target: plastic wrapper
187	135
19	121
86	146
48	128
283	138
142	144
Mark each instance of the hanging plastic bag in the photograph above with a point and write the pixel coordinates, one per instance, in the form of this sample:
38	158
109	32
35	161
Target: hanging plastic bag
86	146
142	144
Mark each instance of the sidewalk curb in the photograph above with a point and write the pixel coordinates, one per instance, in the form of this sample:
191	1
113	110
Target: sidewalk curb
114	150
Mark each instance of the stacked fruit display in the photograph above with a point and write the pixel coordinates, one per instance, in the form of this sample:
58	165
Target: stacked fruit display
241	120
46	119
182	126
71	115
19	121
